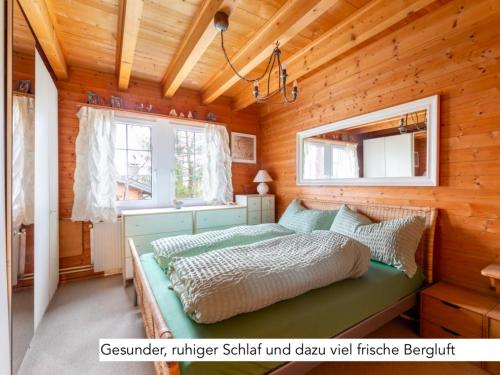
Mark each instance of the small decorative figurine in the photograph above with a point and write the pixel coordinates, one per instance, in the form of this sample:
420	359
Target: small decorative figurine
211	116
173	113
116	102
93	98
23	85
149	107
181	114
190	114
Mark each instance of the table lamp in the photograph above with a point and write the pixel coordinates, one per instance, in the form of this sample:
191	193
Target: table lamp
262	177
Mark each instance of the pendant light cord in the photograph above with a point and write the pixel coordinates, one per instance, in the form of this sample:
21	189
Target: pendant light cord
275	56
236	72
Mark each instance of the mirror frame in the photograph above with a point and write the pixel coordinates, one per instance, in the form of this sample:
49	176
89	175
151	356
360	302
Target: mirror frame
431	104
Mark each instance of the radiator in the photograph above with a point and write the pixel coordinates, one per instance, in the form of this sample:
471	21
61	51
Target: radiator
18	255
106	247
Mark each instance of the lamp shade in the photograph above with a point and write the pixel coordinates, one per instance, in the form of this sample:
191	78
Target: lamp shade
262	176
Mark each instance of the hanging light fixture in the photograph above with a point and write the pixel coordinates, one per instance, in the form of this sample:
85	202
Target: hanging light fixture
221	23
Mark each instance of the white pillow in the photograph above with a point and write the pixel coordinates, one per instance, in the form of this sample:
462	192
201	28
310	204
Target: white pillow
392	242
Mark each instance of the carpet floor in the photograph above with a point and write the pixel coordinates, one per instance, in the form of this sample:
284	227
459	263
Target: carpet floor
66	342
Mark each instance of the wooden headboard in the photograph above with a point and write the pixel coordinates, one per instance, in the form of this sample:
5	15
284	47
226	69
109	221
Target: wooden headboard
425	251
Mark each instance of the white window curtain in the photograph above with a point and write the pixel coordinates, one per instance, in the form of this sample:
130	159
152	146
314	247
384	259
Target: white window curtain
95	174
345	161
314	160
23	159
217	176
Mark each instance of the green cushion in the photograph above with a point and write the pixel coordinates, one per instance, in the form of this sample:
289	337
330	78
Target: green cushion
302	220
392	242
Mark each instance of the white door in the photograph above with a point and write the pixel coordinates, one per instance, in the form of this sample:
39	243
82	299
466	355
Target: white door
46	170
53	189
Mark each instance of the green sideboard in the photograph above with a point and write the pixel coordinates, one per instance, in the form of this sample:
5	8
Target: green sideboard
146	225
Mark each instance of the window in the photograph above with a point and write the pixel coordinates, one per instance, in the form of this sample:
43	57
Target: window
157	161
133	160
325	159
189	150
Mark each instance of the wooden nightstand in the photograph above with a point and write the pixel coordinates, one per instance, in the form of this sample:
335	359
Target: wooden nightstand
492	272
493	333
448	311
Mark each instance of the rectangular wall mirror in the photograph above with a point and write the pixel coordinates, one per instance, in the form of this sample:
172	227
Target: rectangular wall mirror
396	146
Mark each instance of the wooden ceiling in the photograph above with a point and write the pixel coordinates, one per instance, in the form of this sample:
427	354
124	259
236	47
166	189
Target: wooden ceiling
174	42
23	40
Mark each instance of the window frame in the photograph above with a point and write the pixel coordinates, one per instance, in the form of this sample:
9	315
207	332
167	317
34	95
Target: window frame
194	201
129	123
163	133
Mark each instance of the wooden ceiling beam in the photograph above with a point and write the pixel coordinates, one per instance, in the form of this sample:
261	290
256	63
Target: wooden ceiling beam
39	19
369	21
196	41
129	21
287	22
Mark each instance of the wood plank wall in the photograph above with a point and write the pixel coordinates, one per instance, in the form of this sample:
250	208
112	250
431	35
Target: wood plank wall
454	52
74	90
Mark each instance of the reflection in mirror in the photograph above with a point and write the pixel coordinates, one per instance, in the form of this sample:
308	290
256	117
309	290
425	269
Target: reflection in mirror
23	142
396	146
392	147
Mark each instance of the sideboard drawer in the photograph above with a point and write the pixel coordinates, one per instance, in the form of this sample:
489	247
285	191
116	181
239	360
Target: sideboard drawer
158	223
212	229
268	216
221	218
254	217
455	318
268	203
254	203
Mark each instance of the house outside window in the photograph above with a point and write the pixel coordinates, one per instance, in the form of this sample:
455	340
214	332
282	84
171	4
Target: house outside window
158	161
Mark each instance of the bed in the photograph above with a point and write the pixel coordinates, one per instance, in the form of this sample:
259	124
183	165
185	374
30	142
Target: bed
359	306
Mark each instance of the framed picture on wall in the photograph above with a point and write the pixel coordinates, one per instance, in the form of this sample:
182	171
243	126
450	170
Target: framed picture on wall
243	148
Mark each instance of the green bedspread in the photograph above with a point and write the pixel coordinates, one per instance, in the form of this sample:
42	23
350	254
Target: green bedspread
320	313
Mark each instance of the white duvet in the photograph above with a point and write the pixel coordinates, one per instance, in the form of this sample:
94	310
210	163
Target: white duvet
223	283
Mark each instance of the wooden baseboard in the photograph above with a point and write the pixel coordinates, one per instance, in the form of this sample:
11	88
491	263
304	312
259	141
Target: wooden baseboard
78	273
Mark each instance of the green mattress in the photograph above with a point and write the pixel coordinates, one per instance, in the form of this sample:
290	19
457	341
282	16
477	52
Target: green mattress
320	313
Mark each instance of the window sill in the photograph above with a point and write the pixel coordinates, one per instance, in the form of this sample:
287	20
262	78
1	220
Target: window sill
146	205
159	210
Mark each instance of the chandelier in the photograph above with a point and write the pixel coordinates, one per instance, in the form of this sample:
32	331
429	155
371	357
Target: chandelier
221	23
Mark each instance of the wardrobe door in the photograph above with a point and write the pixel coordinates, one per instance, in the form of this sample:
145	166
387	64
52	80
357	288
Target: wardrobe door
46	243
374	157
399	156
53	188
41	192
4	251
